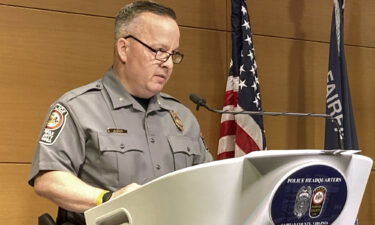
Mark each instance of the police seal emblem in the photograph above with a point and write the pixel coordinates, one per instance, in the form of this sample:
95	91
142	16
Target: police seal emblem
54	125
302	202
55	120
318	199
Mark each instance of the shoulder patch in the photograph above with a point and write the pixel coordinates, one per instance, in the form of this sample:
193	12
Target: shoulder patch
54	125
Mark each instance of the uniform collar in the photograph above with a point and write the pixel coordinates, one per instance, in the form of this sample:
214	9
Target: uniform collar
120	97
117	93
163	103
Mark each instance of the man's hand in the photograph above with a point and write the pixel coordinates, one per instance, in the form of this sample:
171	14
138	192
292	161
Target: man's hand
127	189
71	193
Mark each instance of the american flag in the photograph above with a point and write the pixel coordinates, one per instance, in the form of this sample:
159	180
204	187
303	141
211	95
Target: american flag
241	134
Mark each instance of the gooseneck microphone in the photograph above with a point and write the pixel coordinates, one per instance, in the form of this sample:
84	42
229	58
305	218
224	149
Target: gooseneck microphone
198	101
202	102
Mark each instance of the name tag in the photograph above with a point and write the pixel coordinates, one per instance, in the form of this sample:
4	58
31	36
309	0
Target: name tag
117	130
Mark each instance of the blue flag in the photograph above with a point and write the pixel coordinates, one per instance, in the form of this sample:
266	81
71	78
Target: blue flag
338	101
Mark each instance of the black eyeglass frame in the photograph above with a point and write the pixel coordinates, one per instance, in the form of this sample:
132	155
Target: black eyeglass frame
176	56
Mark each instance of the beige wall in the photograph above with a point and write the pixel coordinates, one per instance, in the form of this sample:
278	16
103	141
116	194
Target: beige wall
50	47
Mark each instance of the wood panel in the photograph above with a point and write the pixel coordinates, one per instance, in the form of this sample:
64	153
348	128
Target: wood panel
194	13
293	78
209	14
361	70
19	204
62	51
311	20
44	54
366	213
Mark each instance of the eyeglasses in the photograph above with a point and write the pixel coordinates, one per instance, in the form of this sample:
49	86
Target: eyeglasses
161	55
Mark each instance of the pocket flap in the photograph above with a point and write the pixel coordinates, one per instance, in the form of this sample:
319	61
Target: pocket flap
120	142
181	144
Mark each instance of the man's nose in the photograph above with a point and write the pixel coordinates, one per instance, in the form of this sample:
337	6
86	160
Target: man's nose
169	63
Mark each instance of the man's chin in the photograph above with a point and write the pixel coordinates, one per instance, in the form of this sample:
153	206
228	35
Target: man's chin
156	88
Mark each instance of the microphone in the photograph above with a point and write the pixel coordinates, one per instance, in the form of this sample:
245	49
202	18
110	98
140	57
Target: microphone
202	102
198	101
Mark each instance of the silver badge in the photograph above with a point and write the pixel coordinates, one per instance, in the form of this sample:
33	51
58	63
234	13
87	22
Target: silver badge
302	203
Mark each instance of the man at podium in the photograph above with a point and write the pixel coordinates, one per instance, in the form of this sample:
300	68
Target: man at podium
108	137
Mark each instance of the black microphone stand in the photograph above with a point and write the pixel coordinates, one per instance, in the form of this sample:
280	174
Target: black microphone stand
202	102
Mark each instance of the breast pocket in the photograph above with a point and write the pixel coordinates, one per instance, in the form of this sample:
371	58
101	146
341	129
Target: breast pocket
184	150
122	159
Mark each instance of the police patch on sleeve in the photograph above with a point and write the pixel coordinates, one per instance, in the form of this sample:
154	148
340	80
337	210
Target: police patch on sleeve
204	142
55	124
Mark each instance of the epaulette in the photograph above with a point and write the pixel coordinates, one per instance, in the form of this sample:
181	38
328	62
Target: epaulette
94	86
169	97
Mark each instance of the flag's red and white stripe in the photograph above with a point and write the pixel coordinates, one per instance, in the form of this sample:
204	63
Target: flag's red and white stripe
239	134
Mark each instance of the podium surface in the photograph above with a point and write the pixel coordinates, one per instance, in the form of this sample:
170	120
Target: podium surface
283	187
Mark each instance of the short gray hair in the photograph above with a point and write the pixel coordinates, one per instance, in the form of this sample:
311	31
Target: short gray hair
126	14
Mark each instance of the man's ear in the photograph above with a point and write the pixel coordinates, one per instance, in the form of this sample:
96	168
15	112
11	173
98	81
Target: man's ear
121	46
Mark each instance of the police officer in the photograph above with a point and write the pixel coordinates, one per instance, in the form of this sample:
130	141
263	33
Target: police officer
115	134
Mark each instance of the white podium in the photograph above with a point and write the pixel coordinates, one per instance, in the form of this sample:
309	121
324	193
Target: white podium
283	187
